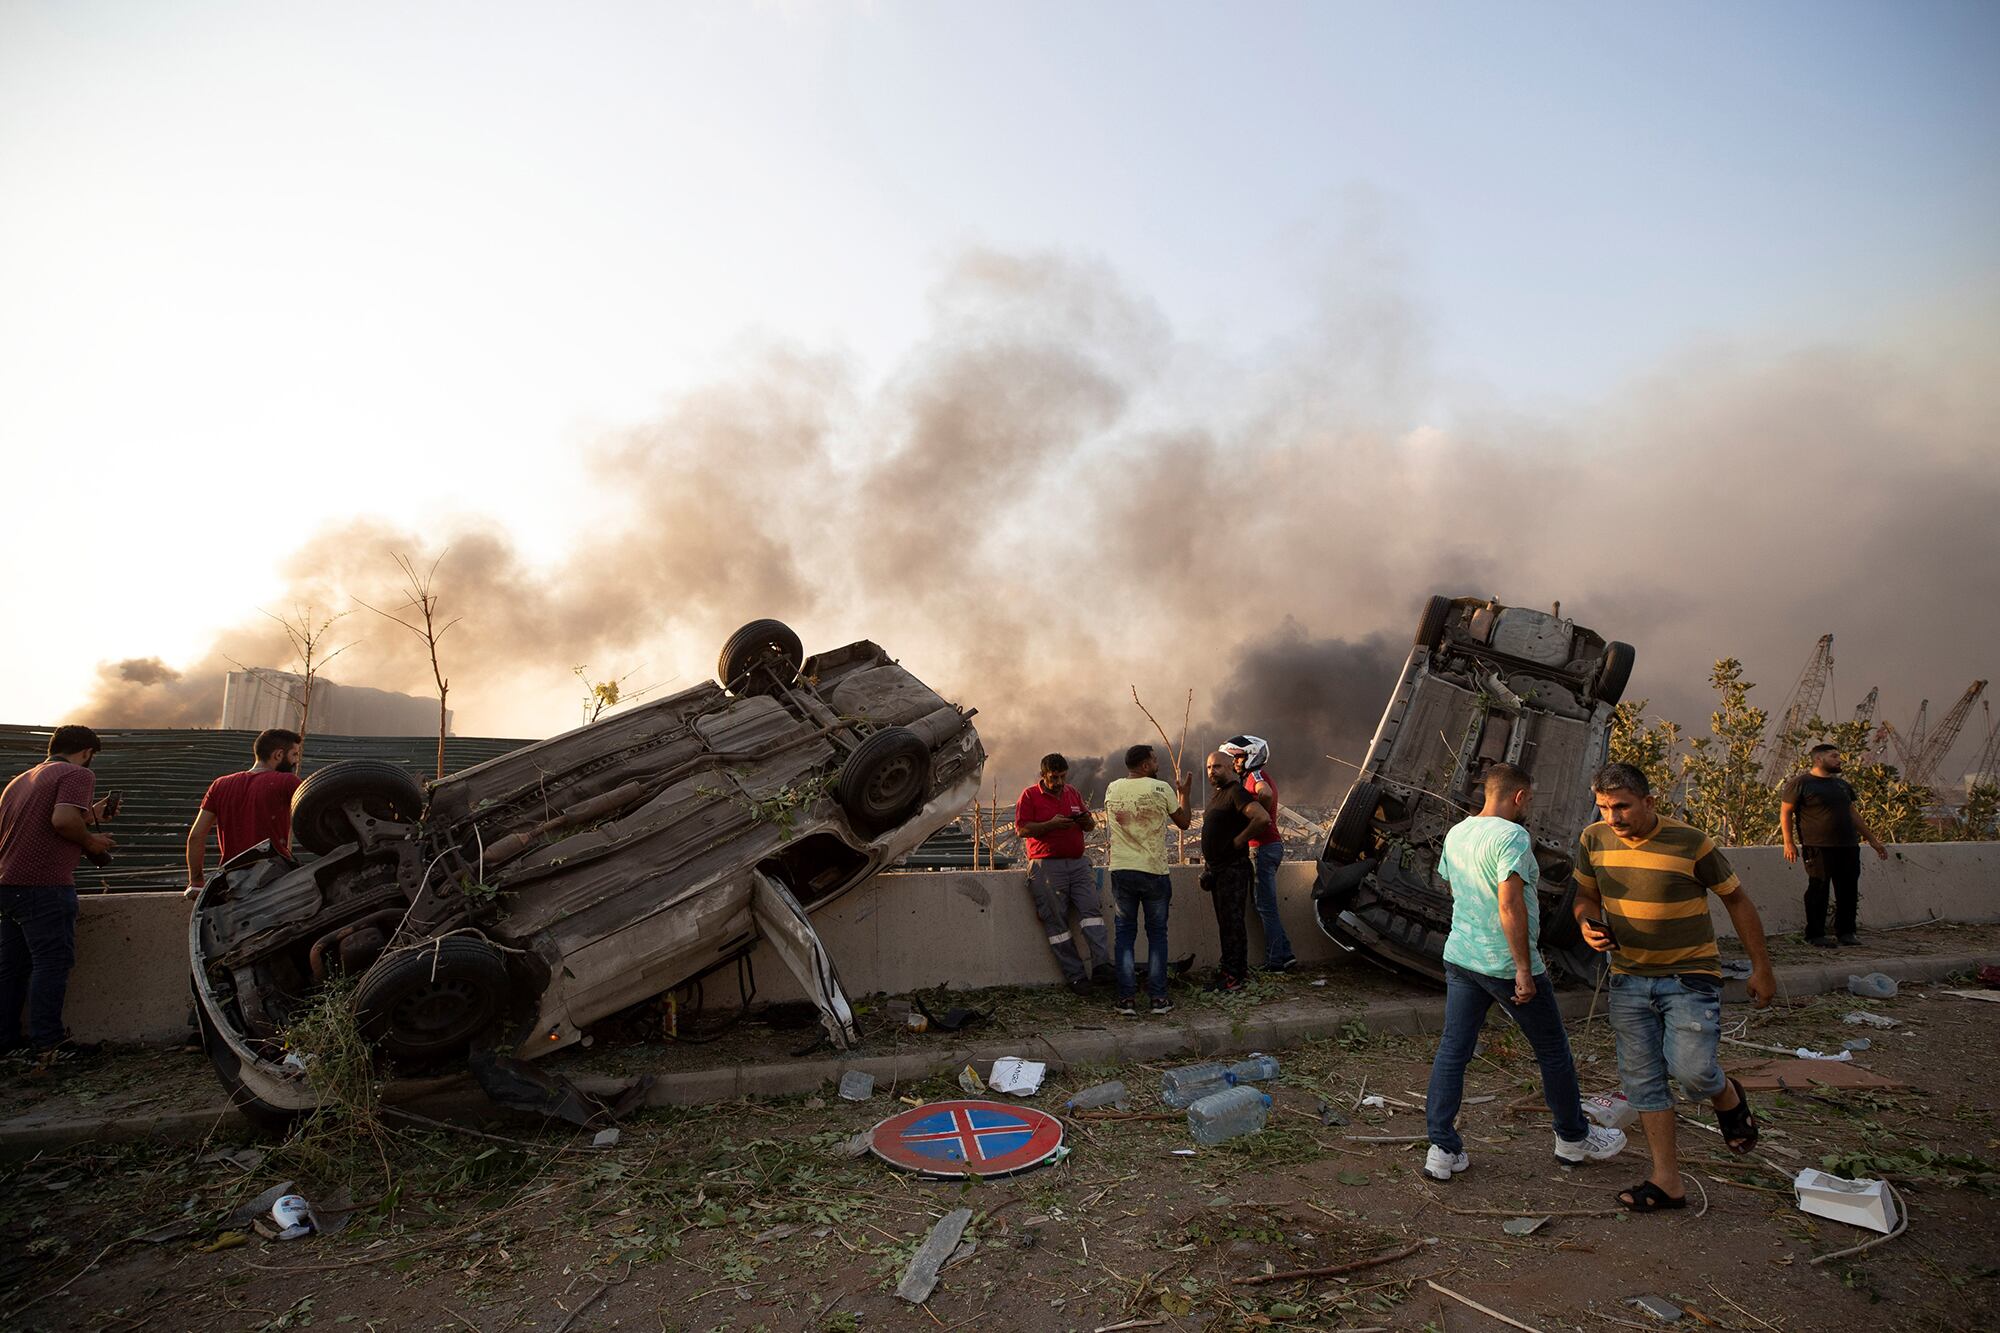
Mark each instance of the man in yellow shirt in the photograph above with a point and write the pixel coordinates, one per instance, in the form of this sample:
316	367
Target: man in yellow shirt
1138	807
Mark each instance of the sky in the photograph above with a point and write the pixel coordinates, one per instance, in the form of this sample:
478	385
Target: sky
272	271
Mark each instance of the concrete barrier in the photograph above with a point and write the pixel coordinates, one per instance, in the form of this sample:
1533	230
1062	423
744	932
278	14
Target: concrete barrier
978	928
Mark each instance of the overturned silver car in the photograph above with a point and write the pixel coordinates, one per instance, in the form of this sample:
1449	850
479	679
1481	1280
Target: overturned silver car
1484	683
514	903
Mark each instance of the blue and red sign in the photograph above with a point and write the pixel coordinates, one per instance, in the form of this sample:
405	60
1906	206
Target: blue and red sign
967	1139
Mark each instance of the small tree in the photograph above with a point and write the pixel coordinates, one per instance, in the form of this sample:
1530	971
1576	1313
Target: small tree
424	615
308	638
1724	793
1979	817
1652	748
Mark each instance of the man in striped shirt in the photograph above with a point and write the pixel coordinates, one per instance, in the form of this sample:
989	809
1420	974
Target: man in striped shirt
1642	886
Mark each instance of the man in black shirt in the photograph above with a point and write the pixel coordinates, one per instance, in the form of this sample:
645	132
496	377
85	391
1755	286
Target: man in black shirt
1816	814
1233	815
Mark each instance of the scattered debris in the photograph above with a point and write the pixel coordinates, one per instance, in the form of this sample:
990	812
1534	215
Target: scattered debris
1874	986
1861	1017
1785	1075
228	1240
952	1020
1973	994
1184	1085
1333	1270
1663	1310
1523	1226
291	1218
1129	1323
606	1138
243	1159
520	1086
856	1145
1021	1078
1610	1110
1185	1152
1486	1310
1856	1044
1102	1094
857	1085
259	1206
1229	1114
1329	1115
1860	1203
921	1277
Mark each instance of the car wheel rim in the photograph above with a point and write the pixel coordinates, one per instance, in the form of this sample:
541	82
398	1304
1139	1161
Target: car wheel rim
443	1010
890	784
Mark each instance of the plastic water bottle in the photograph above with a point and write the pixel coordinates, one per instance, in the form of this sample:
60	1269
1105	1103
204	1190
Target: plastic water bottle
1254	1070
1104	1094
1228	1114
1186	1085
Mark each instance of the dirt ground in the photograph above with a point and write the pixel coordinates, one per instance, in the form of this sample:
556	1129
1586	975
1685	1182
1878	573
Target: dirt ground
748	1216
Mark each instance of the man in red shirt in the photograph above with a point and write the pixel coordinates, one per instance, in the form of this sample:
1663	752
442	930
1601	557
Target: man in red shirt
46	816
1052	818
249	807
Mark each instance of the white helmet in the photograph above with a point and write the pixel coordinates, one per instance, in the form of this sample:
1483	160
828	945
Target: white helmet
1251	749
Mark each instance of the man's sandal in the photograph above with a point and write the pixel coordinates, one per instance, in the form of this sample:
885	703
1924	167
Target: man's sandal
1739	1123
1646	1197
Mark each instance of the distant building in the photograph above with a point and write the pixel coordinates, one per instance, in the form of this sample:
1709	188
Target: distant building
254	700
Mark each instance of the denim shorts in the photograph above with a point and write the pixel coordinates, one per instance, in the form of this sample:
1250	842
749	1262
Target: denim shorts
1667	1026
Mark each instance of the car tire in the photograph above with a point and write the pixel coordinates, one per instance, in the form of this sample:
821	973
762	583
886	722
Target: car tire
386	791
1614	672
1430	629
1348	840
884	778
423	1006
759	643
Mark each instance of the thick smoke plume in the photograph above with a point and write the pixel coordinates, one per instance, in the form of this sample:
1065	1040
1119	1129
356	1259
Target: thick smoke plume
1053	500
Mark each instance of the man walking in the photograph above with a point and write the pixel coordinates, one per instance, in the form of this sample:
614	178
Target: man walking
1138	807
1816	814
1650	877
1052	819
46	819
247	808
1491	956
1233	816
1267	847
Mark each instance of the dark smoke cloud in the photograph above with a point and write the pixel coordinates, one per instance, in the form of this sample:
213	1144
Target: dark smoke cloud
1051	502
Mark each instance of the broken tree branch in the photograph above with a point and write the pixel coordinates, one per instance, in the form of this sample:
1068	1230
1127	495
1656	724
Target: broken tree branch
1488	1311
1332	1270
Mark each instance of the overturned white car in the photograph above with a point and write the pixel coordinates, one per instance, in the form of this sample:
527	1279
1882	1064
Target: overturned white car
1484	683
512	904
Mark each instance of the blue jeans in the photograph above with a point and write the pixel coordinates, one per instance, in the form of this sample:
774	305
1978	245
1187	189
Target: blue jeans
1133	889
1277	945
1666	1025
37	950
1467	997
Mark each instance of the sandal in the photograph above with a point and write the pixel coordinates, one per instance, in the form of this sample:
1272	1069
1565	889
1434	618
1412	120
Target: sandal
1646	1197
1739	1123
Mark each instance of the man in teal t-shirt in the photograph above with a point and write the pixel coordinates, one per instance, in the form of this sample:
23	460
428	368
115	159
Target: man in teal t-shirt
1490	957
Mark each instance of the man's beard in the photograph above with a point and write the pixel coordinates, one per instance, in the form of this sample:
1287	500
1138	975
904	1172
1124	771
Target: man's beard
284	766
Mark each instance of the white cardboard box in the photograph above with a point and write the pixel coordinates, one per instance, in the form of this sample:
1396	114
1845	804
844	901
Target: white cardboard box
1861	1203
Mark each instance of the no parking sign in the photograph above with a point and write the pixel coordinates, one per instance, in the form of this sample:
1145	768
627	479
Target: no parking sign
967	1138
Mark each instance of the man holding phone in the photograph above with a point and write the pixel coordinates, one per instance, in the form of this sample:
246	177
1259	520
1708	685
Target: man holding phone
47	824
1491	958
1052	818
1642	886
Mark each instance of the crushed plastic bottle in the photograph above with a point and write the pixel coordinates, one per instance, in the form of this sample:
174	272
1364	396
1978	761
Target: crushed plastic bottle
1104	1094
1874	986
1183	1087
1229	1114
857	1085
1256	1069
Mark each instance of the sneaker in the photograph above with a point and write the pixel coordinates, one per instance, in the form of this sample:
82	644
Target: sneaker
1128	1008
1285	966
1442	1165
1819	941
1597	1144
1104	974
1850	938
1162	1006
1081	986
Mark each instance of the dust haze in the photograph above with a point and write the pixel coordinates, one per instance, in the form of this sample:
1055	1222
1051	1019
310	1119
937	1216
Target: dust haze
1053	498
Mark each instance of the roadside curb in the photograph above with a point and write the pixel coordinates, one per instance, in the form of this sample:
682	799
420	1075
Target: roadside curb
1134	1041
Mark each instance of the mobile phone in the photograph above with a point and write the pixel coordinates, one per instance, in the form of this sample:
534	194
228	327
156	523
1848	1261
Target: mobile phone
112	802
1604	926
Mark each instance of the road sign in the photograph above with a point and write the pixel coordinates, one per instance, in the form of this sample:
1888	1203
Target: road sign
967	1138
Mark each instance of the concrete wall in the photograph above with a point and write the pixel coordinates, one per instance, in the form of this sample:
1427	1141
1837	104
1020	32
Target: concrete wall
978	928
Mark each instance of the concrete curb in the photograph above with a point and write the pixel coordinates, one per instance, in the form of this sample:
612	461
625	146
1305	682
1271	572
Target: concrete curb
1136	1041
